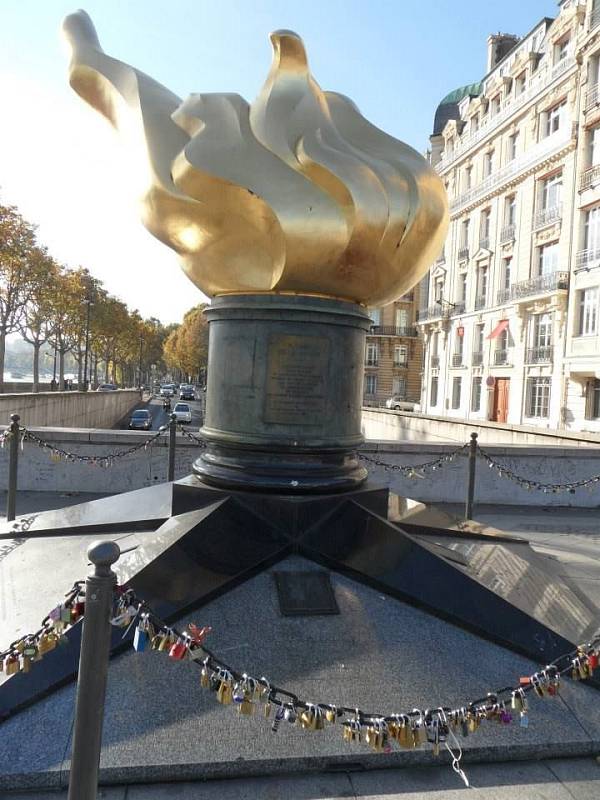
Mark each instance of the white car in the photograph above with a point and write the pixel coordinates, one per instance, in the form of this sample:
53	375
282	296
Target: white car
400	404
182	412
167	390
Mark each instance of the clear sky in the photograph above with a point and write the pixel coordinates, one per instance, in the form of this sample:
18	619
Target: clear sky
63	166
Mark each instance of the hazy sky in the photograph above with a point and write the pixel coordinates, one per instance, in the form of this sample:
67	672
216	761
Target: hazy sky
64	167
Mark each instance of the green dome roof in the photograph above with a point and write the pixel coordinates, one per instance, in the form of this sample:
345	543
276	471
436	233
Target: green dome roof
448	108
457	95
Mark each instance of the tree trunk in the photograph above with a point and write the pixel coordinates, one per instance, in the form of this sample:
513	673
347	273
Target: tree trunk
2	353
95	372
36	367
61	370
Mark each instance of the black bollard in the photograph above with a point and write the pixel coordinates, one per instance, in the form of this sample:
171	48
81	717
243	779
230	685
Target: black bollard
471	484
172	434
13	466
93	670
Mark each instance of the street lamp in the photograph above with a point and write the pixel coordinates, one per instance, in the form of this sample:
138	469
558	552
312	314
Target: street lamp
89	301
140	361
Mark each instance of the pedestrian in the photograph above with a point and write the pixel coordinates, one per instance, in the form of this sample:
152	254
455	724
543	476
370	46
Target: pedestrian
53	385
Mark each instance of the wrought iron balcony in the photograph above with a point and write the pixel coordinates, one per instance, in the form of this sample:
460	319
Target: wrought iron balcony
588	256
392	330
477	358
540	285
433	312
589	177
480	302
591	97
484	242
371	362
403	363
547	216
538	355
463	253
503	295
500	357
457	308
457	359
507	234
435	362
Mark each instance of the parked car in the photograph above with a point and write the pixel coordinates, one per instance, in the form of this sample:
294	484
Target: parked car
141	419
187	393
167	390
183	412
401	404
107	387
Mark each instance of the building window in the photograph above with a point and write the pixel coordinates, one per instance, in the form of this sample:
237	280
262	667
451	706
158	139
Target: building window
488	163
592	229
594	147
538	397
592	399
506	267
462	288
513	140
478	338
474	123
476	394
468	177
495	105
401	318
510	210
375	314
588	311
435	344
433	394
551	191
399	387
502	341
485	224
400	355
372	355
370	384
438	290
548	258
542	330
456	386
520	82
464	235
561	50
555	118
482	284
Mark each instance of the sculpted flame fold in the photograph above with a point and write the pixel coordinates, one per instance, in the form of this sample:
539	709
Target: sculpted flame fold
295	193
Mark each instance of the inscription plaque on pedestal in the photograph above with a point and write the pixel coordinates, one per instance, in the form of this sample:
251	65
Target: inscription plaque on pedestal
297	370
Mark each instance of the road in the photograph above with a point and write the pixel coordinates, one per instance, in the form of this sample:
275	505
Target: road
161	417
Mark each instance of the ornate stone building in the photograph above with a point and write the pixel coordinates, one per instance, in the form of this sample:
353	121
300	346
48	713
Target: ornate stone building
499	322
393	354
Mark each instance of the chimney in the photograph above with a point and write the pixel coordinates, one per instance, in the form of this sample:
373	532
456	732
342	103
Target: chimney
498	45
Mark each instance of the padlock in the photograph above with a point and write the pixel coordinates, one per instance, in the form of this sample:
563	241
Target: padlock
179	649
205	675
331	714
140	638
225	690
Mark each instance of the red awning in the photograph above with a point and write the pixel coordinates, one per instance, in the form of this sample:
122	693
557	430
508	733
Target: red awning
501	326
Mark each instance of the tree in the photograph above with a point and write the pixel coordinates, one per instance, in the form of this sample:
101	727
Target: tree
17	273
186	347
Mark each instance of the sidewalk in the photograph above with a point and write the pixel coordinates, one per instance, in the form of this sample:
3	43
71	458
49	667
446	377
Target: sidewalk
560	779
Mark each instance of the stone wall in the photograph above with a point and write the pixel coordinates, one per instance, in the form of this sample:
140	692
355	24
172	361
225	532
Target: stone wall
69	409
37	471
381	424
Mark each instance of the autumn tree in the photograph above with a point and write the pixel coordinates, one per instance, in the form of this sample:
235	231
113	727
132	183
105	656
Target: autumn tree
18	274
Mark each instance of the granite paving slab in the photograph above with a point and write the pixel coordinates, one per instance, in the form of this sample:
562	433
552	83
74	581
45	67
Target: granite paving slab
378	653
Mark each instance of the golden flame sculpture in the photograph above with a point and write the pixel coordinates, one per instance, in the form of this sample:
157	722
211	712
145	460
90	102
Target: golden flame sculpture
296	193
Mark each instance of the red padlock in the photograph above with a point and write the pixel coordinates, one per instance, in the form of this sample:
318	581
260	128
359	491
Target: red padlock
178	650
593	661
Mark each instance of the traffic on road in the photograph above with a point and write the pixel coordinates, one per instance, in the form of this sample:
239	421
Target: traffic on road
161	416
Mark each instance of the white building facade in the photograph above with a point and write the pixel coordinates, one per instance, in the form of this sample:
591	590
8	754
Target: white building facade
510	322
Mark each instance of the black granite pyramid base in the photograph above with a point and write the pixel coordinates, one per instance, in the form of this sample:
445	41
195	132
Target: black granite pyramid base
189	543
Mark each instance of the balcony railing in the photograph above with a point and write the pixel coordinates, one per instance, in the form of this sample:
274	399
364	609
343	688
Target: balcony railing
457	308
489	125
503	295
540	285
480	302
457	359
371	362
484	242
547	216
391	330
435	362
433	312
588	256
591	97
403	363
500	357
477	358
589	177
538	355
507	234
543	149
463	253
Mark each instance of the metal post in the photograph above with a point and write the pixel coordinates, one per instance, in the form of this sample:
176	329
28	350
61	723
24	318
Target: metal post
471	486
87	345
93	669
172	433
13	466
